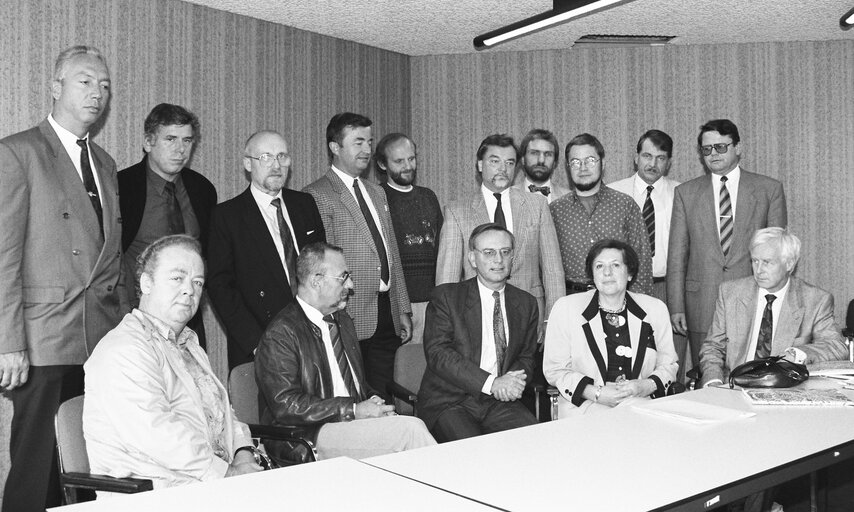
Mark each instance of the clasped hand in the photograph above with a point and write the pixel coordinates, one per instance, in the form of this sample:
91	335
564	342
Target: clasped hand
614	393
509	386
373	407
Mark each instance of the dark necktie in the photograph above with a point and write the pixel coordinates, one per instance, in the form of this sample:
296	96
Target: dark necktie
542	190
726	217
89	182
375	233
499	212
173	210
287	245
766	328
649	218
498	331
340	356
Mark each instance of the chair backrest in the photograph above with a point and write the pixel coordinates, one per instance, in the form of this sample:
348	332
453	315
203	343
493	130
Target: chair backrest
849	317
243	392
409	367
70	444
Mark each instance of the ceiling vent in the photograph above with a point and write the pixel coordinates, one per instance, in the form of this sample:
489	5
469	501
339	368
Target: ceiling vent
620	41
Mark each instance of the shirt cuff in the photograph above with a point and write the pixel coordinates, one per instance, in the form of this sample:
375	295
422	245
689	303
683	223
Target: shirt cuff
798	355
487	386
712	382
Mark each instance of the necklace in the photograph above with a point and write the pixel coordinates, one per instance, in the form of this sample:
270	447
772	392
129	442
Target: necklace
613	316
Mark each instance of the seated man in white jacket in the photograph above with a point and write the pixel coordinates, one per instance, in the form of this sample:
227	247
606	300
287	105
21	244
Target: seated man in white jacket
153	407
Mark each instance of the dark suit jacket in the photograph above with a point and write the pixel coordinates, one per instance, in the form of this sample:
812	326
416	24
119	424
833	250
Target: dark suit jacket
452	344
60	284
293	374
247	283
132	195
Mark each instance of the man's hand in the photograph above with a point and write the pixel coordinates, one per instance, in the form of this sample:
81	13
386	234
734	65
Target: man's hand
373	407
405	327
680	324
14	369
243	463
509	386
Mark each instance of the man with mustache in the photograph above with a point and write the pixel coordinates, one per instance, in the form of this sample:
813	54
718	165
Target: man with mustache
255	239
591	212
60	267
159	196
310	371
539	151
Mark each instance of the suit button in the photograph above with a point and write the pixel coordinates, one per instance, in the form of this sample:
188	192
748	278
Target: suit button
725	269
75	252
118	254
109	288
66	215
119	220
261	293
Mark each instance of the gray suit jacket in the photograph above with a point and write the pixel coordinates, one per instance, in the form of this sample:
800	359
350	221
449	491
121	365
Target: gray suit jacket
696	265
537	267
346	227
60	286
805	322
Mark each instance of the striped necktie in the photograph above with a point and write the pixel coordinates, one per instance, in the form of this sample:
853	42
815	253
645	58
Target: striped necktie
726	217
649	218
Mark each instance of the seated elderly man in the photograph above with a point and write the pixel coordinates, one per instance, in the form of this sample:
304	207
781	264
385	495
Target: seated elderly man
770	313
153	407
310	371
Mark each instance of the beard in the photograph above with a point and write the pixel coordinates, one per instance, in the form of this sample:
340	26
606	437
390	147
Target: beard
402	179
538	173
584	187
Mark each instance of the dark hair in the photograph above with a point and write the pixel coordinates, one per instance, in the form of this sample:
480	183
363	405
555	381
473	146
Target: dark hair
585	139
630	257
148	259
659	139
489	226
311	257
340	122
722	126
166	114
539	134
385	142
502	140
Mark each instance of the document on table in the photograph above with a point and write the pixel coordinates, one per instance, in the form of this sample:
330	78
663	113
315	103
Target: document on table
690	411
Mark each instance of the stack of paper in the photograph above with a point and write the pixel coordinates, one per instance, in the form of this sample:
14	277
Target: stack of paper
690	411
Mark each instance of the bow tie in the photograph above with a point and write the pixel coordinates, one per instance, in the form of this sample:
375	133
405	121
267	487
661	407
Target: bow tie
542	190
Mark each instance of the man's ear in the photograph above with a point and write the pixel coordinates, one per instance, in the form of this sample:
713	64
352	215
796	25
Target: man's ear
56	89
148	142
334	147
145	283
472	260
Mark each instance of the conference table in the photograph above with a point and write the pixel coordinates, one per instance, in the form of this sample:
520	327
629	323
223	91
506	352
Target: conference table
627	460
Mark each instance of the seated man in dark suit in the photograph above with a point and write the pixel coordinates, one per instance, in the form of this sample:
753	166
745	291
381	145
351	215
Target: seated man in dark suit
310	371
770	313
480	336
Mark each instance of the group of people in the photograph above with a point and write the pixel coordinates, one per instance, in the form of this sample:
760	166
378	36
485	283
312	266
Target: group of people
607	293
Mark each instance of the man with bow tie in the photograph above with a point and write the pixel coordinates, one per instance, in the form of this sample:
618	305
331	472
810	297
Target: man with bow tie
539	153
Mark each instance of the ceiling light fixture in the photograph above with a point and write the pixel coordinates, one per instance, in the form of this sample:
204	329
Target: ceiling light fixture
562	11
847	20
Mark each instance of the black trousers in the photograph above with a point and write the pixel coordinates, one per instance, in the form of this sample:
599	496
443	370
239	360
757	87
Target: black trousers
479	415
378	351
33	482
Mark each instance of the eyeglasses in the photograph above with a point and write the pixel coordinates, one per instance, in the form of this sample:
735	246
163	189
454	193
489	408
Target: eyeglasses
267	158
721	148
343	278
497	162
590	161
491	253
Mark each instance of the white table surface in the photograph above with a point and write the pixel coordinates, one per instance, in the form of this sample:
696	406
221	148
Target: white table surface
623	460
340	484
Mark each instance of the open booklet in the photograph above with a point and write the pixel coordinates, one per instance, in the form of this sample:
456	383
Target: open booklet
814	397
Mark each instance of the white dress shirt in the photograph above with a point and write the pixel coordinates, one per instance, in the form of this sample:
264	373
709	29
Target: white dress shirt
492	204
732	180
488	360
268	212
69	142
316	317
776	307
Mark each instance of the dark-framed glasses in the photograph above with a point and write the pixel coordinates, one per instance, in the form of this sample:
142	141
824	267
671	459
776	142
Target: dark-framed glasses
343	277
721	148
268	158
590	161
492	253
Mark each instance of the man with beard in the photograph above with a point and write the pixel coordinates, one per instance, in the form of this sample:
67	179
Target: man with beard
254	243
592	212
540	156
417	221
536	266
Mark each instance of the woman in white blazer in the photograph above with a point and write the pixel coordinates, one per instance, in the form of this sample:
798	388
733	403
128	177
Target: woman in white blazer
607	345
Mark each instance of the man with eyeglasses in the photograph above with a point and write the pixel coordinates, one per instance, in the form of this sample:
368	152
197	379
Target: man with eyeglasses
480	337
539	152
159	196
310	371
591	212
255	239
714	217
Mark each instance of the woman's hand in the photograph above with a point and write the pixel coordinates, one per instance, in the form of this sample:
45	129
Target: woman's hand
638	387
609	394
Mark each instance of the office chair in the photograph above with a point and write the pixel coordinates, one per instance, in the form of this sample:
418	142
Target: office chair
409	367
73	461
243	394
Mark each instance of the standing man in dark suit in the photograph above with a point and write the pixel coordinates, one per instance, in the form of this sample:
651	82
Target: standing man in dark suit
254	242
159	196
60	267
356	215
479	339
713	218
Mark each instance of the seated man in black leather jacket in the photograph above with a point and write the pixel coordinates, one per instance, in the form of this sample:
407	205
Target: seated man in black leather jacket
310	371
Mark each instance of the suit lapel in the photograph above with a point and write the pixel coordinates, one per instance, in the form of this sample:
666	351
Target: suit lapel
348	338
473	319
352	207
745	209
514	325
706	200
791	316
639	334
595	334
745	311
109	195
255	225
375	193
520	208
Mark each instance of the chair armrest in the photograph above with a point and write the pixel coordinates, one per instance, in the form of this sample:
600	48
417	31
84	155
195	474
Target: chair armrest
105	483
296	435
398	391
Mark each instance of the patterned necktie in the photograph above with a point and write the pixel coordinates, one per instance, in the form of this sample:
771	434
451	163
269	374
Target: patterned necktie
726	217
766	327
287	245
173	210
340	356
375	233
89	182
542	190
499	212
649	218
498	331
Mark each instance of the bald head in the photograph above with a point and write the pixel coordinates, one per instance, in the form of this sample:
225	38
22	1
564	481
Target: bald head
267	160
